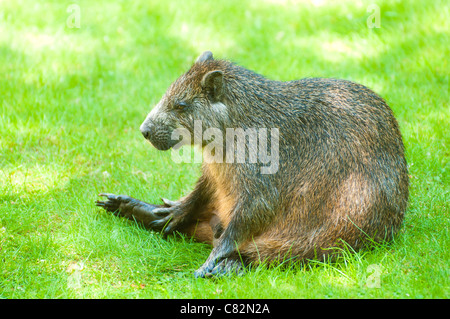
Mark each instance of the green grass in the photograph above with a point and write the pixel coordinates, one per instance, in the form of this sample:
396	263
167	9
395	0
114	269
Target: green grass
72	100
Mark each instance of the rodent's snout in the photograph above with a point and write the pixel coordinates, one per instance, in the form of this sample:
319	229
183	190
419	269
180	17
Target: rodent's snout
157	135
146	129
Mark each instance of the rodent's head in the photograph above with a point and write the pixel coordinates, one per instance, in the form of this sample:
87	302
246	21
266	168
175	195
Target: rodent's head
196	95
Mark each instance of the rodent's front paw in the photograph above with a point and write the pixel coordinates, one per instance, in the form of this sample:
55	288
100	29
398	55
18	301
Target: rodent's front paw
113	203
170	217
223	267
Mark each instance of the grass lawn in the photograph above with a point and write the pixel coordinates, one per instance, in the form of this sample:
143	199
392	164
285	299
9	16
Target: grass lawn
76	82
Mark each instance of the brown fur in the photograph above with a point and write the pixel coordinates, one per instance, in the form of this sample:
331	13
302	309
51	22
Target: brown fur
342	173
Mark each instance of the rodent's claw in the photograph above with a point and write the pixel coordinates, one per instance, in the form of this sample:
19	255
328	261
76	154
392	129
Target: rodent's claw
111	204
106	194
169	203
161	224
102	204
119	198
169	217
202	272
163	211
205	271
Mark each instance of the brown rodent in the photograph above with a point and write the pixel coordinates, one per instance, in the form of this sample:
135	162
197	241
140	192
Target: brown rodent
341	174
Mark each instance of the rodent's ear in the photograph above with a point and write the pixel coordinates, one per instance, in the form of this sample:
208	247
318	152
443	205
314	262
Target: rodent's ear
205	56
212	82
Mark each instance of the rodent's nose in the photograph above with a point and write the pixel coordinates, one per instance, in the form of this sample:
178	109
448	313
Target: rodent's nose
146	129
146	133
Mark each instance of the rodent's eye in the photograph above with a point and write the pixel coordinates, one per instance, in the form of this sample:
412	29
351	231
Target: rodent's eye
180	105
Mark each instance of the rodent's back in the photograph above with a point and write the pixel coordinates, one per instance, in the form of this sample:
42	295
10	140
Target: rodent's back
348	112
320	117
344	128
